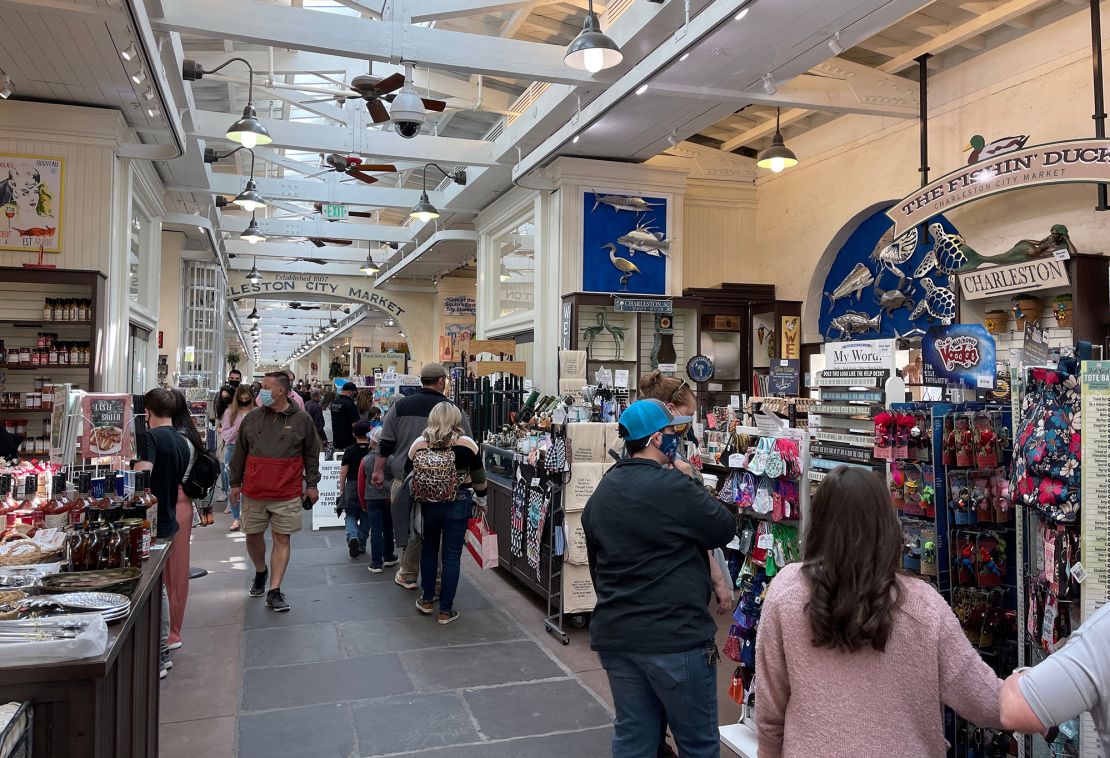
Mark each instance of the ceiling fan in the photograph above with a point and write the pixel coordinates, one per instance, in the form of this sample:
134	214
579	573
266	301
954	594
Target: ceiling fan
374	90
353	166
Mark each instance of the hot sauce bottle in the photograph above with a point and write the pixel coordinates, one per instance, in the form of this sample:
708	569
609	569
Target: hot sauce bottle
83	501
7	504
29	510
56	510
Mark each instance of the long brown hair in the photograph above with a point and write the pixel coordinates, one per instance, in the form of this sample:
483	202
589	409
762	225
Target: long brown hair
668	389
853	550
239	407
364	401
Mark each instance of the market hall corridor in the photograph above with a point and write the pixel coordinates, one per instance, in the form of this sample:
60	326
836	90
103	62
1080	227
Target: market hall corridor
355	671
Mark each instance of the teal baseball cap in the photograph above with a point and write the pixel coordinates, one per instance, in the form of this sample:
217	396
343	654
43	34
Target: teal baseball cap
646	417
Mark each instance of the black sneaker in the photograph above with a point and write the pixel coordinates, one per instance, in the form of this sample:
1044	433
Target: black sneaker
276	601
352	547
258	586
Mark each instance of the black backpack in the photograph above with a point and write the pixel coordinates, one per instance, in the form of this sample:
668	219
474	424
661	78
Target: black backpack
201	474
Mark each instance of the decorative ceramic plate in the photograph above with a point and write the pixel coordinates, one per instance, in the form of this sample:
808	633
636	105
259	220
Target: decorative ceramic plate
92	601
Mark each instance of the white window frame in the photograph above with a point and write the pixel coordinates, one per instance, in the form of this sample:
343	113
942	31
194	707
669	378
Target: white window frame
526	209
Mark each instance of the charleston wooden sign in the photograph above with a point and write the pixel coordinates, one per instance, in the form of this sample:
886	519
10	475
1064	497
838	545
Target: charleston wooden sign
1071	161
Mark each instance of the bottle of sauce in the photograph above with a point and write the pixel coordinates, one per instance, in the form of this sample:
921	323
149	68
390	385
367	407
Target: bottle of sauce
29	510
83	501
105	502
56	510
151	506
7	505
114	554
80	543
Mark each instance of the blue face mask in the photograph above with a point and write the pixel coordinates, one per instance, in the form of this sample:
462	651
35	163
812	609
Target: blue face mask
669	446
266	396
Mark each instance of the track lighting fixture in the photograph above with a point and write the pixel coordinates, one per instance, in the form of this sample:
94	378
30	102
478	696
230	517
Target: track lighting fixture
778	156
129	53
424	211
769	84
252	234
5	87
835	45
248	130
139	76
592	50
673	138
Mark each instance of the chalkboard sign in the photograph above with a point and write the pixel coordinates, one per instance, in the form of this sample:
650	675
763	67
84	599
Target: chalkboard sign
785	377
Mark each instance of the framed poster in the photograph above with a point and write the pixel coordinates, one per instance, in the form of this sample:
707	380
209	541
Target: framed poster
31	202
107	426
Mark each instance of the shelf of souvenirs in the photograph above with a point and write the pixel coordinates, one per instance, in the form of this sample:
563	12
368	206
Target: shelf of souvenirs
41	400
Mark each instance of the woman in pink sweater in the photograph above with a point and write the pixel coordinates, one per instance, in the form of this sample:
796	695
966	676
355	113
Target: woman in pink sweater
229	432
853	658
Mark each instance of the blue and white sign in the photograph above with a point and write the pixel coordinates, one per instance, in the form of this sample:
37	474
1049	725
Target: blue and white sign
700	368
960	355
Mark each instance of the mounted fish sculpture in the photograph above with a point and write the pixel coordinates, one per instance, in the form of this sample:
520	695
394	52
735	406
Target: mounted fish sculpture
853	322
643	240
624	203
857	281
947	256
897	251
939	302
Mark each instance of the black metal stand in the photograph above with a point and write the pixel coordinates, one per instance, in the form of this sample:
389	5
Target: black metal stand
1100	98
923	105
553	621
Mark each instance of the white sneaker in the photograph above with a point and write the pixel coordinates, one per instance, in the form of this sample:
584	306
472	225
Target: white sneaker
174	645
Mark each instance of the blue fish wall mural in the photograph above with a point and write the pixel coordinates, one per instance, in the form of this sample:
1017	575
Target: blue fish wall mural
624	244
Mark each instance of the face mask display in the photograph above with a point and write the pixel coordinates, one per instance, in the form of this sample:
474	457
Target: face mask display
266	396
669	446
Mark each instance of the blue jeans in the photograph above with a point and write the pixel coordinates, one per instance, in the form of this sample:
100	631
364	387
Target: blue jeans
356	520
680	688
381	532
446	523
229	450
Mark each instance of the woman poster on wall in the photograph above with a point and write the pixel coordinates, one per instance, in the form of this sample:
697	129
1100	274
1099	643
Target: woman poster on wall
31	203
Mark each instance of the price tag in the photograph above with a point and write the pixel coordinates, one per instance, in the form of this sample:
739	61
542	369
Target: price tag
620	378
1078	572
527	385
668	368
45	535
736	460
1049	626
1061	254
984	382
765	541
734	401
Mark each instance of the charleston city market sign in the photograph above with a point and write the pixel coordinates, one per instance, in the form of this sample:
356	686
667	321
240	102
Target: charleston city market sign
1071	161
293	286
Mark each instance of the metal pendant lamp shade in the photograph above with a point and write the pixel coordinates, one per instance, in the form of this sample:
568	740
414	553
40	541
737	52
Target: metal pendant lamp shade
369	267
249	131
249	199
254	315
777	156
592	50
424	211
252	234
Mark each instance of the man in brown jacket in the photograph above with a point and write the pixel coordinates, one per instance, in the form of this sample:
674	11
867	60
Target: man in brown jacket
276	464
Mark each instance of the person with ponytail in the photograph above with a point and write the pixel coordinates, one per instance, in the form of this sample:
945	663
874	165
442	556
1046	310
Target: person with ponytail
855	658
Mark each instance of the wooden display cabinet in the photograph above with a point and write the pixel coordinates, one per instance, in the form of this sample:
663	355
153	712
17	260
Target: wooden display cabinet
619	340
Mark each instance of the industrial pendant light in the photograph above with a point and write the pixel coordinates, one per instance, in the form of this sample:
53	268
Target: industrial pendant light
424	211
248	131
369	267
253	276
592	50
777	156
252	234
254	313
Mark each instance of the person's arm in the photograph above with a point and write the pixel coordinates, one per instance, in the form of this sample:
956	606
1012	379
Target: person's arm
151	453
310	451
721	589
967	684
772	686
703	518
1065	684
239	459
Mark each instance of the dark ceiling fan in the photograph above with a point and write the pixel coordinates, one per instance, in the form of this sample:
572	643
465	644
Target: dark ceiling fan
302	307
374	90
353	166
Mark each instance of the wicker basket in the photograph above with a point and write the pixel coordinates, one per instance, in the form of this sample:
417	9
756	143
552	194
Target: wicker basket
10	596
26	551
124	581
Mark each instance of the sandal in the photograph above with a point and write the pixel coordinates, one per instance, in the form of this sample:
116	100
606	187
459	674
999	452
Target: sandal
234	526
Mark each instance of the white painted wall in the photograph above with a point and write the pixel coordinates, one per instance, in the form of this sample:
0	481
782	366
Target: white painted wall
169	300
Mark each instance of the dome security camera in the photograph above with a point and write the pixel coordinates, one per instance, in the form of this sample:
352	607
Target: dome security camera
408	113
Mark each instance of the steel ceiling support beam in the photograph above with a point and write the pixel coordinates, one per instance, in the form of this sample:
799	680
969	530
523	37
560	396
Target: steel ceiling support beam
447	235
210	125
318	227
307	190
245	251
434	10
262	23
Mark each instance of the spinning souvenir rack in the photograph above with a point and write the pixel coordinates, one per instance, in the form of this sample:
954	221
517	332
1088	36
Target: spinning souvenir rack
768	485
949	481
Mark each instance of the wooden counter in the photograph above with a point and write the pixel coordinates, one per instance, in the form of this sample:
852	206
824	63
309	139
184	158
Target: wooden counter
102	707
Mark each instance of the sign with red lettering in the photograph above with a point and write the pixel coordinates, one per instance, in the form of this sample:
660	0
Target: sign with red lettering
1070	161
960	355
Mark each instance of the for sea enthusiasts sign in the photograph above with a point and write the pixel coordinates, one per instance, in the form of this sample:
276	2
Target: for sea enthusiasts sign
290	286
1071	161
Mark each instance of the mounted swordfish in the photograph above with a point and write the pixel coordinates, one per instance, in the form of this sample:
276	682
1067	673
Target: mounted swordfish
623	203
857	281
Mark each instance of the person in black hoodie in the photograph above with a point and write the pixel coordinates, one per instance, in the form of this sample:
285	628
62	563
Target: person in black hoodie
648	528
344	413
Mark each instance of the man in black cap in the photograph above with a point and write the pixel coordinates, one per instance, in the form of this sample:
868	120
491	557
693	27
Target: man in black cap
344	413
404	422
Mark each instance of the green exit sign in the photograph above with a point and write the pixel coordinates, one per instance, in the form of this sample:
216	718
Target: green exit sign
335	211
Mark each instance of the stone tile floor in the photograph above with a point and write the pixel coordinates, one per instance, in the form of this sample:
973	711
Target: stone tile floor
354	671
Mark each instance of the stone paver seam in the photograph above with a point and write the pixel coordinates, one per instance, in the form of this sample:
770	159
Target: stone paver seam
499	741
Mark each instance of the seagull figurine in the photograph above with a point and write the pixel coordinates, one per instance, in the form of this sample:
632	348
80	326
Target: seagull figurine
625	266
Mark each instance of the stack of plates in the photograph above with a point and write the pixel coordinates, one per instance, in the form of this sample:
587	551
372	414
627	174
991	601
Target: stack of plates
110	605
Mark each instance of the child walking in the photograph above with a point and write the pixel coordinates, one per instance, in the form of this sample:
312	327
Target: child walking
375	502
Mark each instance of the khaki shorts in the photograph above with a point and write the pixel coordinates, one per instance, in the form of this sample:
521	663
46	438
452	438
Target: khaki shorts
282	516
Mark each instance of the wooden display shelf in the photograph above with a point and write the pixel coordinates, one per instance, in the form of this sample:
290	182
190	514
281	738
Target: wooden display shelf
31	324
66	367
25	410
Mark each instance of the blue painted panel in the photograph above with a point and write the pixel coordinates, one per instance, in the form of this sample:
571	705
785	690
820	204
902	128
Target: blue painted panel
604	224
